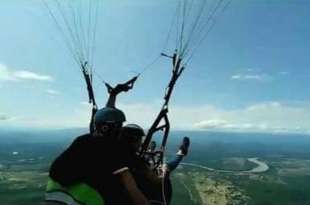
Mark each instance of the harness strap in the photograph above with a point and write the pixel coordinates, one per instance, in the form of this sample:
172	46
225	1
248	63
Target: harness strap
78	194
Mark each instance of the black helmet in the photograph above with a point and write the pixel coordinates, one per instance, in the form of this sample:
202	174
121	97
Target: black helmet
133	130
107	119
132	134
109	115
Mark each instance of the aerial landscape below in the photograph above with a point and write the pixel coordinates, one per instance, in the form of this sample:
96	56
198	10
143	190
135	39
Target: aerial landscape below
221	169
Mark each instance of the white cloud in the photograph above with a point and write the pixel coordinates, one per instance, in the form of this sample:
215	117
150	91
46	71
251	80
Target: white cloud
230	126
273	117
28	75
257	77
261	117
265	117
79	116
7	74
85	103
143	114
52	92
264	106
213	123
235	77
223	124
283	73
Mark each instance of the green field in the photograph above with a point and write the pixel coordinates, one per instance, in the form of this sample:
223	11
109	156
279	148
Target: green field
285	183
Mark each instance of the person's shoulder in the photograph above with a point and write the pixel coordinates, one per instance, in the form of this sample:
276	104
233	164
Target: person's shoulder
82	139
84	136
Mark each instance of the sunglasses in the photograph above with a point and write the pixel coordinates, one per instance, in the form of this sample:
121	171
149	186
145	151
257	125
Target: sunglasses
107	127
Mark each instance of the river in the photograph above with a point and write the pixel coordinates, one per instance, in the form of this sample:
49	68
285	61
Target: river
261	167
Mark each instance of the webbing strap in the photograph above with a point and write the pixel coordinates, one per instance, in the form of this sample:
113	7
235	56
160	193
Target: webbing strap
61	197
78	194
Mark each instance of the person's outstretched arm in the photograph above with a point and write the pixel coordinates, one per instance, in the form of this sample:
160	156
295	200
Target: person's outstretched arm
111	101
114	91
134	192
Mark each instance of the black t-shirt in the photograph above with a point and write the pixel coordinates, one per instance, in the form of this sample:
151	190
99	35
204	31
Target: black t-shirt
96	161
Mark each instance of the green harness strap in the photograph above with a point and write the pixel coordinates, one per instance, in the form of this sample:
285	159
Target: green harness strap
81	193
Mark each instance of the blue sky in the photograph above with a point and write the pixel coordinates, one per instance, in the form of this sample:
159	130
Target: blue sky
250	74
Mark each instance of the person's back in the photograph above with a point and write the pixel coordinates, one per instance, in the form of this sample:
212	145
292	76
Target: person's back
79	168
70	166
69	174
90	160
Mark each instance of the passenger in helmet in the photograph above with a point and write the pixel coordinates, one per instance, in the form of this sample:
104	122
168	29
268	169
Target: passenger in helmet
131	134
149	182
